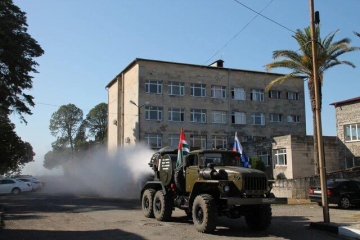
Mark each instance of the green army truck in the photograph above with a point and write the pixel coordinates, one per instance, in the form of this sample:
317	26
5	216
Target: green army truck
207	185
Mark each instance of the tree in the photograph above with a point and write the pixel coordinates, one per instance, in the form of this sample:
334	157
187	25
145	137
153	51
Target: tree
357	34
66	122
327	53
97	121
17	50
257	163
15	153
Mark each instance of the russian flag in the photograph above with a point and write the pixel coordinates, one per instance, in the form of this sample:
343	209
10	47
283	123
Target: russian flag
238	148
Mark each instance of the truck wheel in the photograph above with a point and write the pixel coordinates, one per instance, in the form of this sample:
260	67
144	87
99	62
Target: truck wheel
204	213
259	217
147	203
162	206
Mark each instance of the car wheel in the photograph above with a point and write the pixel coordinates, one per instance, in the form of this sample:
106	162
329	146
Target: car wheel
162	206
16	191
344	203
319	204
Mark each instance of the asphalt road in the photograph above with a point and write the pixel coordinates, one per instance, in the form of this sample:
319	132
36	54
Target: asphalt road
60	215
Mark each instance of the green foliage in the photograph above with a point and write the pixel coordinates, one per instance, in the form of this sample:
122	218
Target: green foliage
257	163
17	50
300	63
66	123
15	153
72	143
97	122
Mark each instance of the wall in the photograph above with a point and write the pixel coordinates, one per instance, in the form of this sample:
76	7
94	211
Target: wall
166	72
347	114
113	117
300	155
298	188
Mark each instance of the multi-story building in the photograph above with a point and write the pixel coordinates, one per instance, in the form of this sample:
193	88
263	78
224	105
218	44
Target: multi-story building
149	101
348	131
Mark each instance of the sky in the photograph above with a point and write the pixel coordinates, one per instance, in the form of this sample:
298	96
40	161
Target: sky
87	43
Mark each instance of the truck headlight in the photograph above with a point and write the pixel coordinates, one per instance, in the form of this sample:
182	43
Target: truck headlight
226	188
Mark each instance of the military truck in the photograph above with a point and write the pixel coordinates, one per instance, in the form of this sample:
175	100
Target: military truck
207	185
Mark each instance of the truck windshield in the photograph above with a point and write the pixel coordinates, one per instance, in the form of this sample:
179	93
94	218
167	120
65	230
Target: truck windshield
222	159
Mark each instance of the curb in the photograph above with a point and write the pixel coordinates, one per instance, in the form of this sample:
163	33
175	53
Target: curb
337	229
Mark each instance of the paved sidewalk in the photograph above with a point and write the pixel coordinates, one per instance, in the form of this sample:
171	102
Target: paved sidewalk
344	229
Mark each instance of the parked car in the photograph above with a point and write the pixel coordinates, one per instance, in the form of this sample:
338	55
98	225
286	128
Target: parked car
36	184
14	186
342	192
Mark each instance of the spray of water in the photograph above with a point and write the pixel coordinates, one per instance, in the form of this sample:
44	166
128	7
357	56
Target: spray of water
117	175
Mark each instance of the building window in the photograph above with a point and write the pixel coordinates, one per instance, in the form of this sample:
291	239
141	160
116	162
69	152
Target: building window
293	118
280	157
176	114
198	141
351	162
153	87
293	95
238	94
257	95
218	92
176	88
275	94
198	90
219	141
218	117
238	118
198	115
265	157
153	140
275	117
352	132
257	119
153	113
174	140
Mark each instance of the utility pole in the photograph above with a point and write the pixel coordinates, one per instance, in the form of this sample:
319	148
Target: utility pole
317	87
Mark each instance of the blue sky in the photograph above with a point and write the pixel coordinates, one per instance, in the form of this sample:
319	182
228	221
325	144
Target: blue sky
87	43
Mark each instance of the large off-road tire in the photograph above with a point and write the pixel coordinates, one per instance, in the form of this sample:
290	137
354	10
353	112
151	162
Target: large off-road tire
204	213
162	206
344	203
147	203
179	178
259	217
16	191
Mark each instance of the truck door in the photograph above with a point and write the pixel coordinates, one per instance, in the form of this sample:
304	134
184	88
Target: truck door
192	172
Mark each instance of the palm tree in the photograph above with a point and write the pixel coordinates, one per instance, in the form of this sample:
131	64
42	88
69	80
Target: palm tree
300	62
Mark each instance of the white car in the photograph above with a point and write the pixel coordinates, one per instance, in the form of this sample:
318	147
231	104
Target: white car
36	184
14	186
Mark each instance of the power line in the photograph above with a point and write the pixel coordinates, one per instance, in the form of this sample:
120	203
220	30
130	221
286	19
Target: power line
257	14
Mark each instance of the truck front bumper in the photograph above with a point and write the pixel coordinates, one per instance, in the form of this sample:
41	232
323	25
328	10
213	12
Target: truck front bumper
253	201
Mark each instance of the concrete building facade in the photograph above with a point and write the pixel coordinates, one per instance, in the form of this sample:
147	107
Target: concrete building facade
150	100
348	131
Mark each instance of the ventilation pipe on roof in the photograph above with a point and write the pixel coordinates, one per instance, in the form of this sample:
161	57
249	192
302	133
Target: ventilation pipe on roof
219	63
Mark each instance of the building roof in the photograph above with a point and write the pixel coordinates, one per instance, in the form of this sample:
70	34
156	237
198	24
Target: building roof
194	65
344	102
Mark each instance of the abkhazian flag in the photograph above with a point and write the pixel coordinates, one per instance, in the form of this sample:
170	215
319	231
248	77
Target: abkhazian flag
238	148
183	148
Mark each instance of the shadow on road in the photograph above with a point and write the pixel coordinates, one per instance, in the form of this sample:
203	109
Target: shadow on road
59	235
